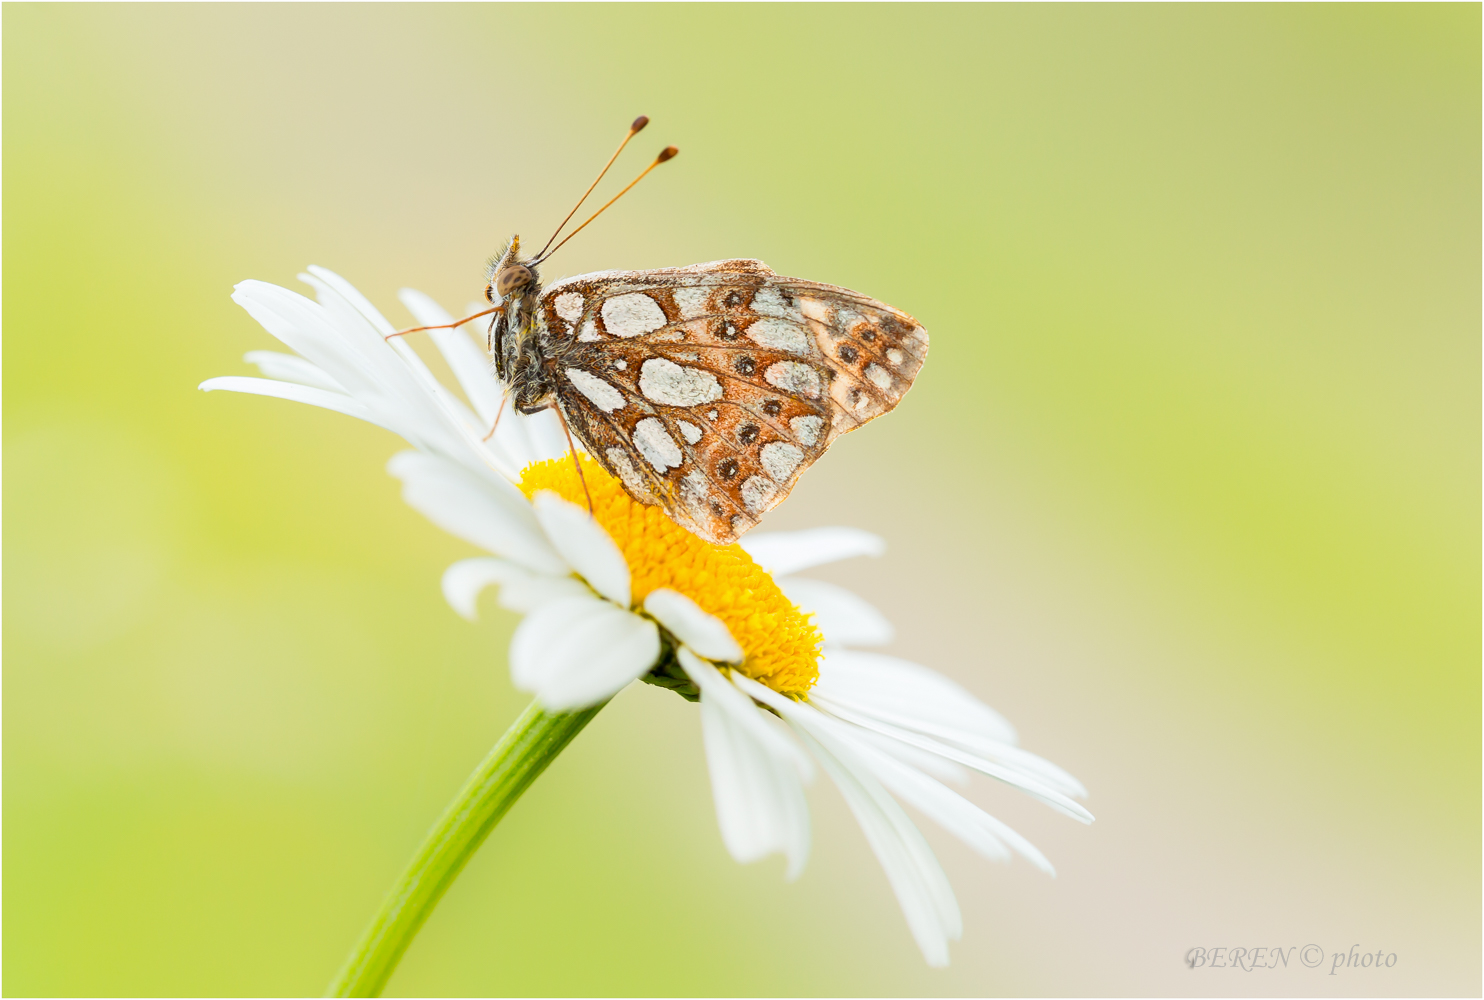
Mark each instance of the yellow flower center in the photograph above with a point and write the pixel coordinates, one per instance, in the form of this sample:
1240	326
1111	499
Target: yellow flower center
781	642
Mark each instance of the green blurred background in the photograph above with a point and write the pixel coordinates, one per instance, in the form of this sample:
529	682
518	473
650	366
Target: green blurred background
1189	487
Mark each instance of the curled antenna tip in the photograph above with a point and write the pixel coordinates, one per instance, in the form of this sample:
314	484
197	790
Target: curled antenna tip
665	154
639	123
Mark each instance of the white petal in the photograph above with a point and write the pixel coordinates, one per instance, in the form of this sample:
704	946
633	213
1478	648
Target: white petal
875	683
323	398
390	384
759	799
785	552
520	589
943	770
475	509
342	344
297	321
349	355
960	817
948	808
291	368
587	548
956	814
839	721
702	631
463	581
362	326
842	617
751	792
434	418
1005	753
1032	784
911	697
716	687
580	651
921	888
352	295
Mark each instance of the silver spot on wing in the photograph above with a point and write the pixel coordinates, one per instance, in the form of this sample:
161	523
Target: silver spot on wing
632	315
793	376
656	445
602	395
663	381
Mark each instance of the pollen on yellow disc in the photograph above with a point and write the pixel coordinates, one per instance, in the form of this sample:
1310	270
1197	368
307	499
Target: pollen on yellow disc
781	642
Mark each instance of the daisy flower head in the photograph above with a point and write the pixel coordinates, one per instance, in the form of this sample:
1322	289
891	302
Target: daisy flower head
613	591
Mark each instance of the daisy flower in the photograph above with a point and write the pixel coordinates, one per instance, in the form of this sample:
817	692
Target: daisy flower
777	662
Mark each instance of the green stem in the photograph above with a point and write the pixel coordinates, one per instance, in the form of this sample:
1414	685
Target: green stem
531	743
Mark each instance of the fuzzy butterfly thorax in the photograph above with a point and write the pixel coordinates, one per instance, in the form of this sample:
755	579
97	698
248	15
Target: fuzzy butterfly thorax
708	389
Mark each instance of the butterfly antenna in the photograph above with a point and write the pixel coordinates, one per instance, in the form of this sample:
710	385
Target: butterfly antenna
634	130
668	153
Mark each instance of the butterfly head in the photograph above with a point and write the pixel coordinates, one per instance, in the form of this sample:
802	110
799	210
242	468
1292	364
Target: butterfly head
508	277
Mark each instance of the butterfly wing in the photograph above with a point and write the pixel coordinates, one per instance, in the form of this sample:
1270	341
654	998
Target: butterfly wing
708	389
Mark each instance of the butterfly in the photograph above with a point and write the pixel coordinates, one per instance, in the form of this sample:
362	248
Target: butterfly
706	390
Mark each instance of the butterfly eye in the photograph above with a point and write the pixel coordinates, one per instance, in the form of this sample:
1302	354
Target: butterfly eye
512	278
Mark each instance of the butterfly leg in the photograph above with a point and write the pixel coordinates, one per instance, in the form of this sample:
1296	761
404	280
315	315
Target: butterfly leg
573	449
498	414
443	326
